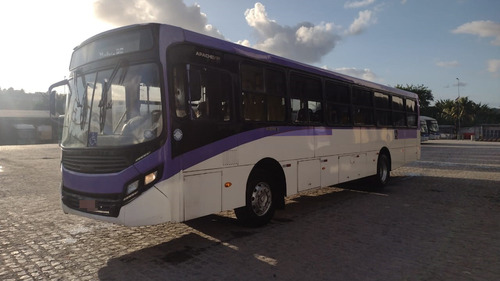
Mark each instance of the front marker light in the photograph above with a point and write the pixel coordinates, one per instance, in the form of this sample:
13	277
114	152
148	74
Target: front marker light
149	178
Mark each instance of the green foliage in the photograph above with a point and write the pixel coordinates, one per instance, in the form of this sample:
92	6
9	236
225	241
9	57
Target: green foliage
465	112
425	95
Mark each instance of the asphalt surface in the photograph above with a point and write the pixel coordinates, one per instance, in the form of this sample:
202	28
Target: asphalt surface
439	219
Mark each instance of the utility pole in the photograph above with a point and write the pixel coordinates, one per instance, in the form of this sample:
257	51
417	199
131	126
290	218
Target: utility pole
458	108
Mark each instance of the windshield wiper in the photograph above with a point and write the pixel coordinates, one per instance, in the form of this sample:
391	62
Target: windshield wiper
104	105
84	107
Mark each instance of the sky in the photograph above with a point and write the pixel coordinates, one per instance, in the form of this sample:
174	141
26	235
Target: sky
414	42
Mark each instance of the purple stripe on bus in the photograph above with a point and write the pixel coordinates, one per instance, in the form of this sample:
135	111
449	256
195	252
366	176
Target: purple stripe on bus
201	154
406	134
98	183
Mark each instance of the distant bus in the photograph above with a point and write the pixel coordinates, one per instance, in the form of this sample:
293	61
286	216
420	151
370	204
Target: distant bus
424	131
164	124
432	126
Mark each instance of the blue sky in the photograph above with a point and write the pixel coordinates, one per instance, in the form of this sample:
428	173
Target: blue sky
429	42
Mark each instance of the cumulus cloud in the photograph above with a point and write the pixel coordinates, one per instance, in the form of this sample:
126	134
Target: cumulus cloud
358	4
174	12
363	21
305	41
481	28
448	63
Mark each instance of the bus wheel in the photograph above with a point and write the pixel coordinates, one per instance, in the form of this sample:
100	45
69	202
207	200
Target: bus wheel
383	171
260	207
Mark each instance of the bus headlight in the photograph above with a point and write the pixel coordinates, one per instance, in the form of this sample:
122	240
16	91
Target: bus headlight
132	187
140	184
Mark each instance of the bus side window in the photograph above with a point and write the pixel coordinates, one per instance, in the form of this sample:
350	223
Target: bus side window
411	113
383	109
306	99
338	97
210	94
398	112
263	91
363	106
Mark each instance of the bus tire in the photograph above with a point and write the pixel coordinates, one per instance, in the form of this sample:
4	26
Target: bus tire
260	201
383	171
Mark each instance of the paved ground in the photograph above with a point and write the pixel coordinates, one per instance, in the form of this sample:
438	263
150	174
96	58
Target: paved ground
439	219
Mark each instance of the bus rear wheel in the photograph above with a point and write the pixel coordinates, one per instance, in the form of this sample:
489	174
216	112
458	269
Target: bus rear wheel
383	171
260	202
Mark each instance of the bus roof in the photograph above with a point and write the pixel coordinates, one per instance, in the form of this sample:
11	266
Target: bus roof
427	118
223	45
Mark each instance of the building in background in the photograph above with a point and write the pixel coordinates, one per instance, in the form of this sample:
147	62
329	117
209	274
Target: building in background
27	127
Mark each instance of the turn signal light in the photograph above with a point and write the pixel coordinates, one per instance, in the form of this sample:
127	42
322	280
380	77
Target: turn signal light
149	178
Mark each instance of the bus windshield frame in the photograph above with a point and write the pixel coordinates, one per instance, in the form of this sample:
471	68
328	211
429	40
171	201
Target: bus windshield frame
114	107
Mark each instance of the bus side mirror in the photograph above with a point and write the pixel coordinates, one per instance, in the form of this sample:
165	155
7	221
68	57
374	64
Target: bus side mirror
57	94
52	103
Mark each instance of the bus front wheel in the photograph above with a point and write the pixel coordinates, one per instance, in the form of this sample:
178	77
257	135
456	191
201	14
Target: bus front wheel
260	202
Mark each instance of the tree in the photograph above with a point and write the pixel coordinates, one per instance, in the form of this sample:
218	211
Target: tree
462	111
425	95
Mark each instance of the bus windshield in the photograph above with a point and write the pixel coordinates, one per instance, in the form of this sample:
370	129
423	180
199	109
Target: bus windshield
433	126
114	107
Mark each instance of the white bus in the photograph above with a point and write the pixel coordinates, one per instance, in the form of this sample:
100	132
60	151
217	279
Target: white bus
164	124
432	127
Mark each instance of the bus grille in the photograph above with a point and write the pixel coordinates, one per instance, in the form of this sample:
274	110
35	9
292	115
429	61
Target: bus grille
109	207
95	164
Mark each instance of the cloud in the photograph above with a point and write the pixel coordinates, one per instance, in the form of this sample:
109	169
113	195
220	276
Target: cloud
482	29
363	21
494	67
365	74
358	4
304	42
174	12
448	63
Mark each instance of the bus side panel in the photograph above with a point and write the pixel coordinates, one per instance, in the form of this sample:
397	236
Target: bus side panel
351	167
281	148
412	151
397	150
202	194
341	141
375	139
234	195
290	170
329	170
308	174
172	189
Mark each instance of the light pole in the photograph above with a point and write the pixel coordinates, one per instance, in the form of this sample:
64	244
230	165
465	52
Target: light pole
458	108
